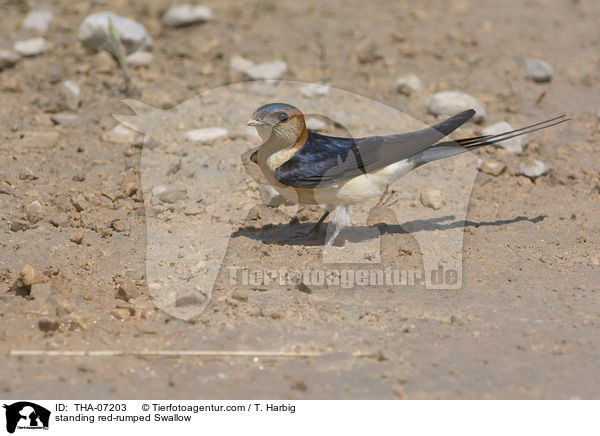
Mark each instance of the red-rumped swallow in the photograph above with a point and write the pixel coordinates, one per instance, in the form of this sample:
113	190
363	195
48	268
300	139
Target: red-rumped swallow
306	167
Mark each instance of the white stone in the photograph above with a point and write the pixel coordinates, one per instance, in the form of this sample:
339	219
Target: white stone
122	135
408	85
93	32
207	134
315	89
492	167
432	198
514	145
315	124
450	103
66	119
31	47
538	70
71	92
239	63
533	168
168	194
8	58
37	20
267	70
184	15
140	59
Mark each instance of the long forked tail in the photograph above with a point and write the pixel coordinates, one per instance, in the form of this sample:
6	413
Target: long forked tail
445	149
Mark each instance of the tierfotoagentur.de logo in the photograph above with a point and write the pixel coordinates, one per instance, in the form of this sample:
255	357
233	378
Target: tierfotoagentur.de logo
25	415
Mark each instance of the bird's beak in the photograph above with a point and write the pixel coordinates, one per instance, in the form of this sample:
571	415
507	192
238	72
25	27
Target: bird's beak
255	123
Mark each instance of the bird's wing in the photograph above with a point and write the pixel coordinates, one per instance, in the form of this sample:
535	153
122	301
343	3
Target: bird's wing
323	160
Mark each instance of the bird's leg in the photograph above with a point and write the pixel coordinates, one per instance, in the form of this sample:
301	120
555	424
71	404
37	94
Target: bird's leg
317	226
382	198
340	220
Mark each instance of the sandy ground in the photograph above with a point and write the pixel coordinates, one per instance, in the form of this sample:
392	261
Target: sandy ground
524	323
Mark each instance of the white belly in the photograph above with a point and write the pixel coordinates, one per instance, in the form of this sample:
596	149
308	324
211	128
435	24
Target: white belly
354	191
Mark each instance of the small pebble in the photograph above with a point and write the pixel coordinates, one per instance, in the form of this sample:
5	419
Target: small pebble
35	212
66	119
48	325
408	85
367	52
140	59
8	59
126	289
446	104
265	71
80	203
169	195
185	15
122	135
315	89
432	198
492	167
239	63
77	238
538	70
31	47
29	276
37	20
93	32
19	225
60	220
533	168
71	93
207	134
514	145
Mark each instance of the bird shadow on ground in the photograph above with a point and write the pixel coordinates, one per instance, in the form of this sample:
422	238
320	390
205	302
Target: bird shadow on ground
299	234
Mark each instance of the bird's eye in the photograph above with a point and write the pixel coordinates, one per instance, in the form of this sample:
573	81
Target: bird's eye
283	117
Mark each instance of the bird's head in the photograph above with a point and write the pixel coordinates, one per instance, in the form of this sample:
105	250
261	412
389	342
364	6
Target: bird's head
280	124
